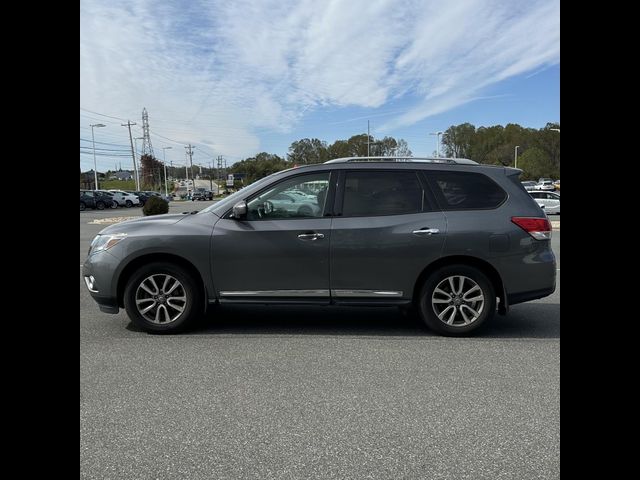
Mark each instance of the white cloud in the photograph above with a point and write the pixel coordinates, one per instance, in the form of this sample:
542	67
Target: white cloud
219	72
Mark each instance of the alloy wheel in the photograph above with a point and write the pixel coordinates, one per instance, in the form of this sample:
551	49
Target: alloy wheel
458	301
161	298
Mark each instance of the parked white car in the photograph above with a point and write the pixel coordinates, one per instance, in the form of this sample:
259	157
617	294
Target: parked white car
124	199
547	185
295	204
550	201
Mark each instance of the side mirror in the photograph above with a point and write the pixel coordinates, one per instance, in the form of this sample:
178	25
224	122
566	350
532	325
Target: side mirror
240	210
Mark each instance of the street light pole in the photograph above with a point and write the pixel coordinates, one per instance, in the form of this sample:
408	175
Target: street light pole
164	157
95	166
437	134
516	155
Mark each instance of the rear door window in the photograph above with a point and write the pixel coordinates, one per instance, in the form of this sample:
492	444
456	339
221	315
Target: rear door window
372	193
465	190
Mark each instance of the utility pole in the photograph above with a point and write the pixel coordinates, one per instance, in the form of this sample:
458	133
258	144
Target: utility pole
164	156
190	153
133	154
219	166
210	179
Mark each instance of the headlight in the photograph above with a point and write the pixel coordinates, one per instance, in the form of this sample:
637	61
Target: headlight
105	242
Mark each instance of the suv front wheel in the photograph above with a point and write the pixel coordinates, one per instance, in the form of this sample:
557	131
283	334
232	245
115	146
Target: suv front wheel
162	298
456	300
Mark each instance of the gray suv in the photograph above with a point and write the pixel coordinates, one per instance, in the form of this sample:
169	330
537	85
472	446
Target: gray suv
456	239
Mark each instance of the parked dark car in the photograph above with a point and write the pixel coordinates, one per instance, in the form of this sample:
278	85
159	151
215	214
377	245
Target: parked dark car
94	199
142	196
166	198
202	195
456	239
108	194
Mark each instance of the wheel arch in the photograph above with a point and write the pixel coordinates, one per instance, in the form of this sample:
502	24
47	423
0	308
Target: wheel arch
137	262
482	265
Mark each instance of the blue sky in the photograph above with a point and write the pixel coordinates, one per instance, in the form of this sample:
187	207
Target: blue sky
237	78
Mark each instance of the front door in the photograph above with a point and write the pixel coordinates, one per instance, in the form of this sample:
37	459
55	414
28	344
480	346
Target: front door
388	230
280	251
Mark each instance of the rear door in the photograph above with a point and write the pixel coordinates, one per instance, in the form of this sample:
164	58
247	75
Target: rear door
386	229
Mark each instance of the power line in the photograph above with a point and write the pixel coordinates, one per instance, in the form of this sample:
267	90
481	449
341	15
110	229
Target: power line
108	149
103	115
104	143
106	154
166	138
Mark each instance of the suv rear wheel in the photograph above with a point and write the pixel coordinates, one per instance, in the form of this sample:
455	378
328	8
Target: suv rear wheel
456	300
162	297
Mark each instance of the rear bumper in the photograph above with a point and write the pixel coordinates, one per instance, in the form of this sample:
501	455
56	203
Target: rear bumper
521	297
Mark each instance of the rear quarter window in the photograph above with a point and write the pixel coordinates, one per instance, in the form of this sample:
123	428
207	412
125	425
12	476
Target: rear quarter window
465	190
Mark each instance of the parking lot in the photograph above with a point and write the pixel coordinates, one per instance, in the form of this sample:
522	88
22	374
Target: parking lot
305	392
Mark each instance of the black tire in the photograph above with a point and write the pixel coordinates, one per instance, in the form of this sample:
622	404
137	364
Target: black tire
190	287
129	203
82	206
100	205
462	323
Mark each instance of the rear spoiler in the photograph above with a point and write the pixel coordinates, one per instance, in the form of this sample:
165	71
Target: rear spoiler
512	172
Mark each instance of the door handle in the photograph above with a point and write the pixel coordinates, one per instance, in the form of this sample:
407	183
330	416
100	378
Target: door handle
426	231
310	236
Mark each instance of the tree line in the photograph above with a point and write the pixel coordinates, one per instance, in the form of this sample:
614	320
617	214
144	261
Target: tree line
313	150
538	152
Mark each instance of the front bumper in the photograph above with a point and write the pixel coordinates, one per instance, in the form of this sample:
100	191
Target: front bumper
98	273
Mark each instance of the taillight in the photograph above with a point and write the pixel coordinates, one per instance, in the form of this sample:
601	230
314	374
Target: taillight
538	228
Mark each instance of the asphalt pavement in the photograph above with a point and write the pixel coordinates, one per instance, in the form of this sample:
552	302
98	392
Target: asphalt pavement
307	392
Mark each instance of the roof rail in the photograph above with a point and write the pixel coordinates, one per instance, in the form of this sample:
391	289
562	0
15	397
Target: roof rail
458	161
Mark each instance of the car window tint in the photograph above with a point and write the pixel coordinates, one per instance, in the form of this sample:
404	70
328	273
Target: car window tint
466	190
371	193
272	204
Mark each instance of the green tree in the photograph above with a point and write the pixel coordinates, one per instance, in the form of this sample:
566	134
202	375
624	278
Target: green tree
535	163
549	141
495	145
457	140
402	149
306	151
261	165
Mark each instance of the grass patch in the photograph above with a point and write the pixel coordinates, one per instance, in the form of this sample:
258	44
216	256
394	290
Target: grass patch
117	184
